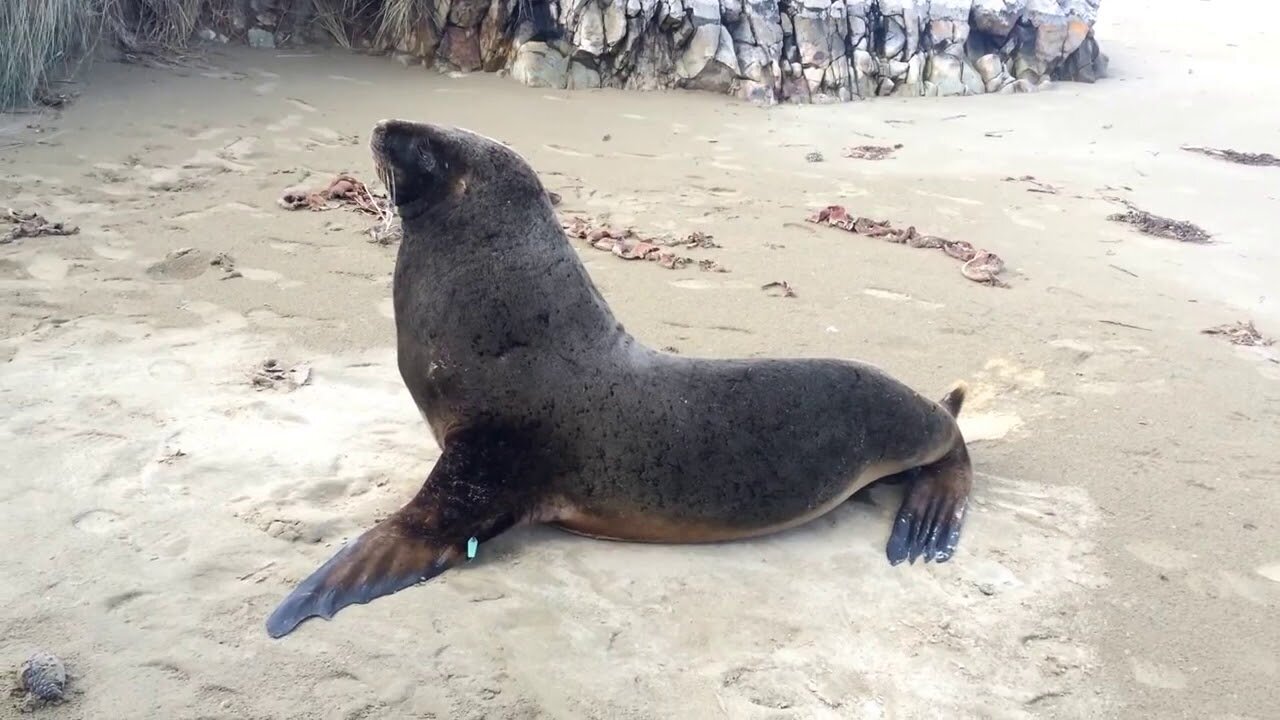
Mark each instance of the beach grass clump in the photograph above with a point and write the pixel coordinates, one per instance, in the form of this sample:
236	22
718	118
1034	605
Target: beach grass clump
42	38
42	41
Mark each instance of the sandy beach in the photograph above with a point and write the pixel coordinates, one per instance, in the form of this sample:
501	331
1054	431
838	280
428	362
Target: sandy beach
1123	556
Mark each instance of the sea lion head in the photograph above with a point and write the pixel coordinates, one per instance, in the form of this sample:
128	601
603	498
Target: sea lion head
428	168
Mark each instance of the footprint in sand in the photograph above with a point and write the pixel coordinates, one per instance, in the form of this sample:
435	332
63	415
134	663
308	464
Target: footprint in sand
268	318
213	160
288	122
1157	676
112	252
208	134
242	148
225	75
170	370
49	268
115	602
1223	584
1019	219
567	151
96	522
181	264
1270	572
174	180
10	270
979	427
324	137
237	208
168	669
845	191
638	156
260	275
949	198
697	284
344	78
1159	555
900	297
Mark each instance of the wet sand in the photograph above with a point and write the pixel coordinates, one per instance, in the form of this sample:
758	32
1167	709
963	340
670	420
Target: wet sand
1123	559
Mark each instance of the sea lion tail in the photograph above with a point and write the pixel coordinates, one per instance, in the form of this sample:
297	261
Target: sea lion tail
954	399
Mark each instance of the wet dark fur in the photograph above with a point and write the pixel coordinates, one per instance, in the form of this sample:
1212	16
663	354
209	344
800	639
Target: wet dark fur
549	411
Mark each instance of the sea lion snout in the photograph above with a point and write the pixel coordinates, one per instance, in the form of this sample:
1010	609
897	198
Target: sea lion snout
402	146
408	160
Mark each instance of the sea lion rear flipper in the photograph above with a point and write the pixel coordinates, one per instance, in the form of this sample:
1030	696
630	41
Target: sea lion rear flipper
933	510
954	399
465	496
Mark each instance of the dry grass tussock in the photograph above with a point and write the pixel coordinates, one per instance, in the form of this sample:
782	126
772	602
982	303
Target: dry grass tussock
40	38
45	39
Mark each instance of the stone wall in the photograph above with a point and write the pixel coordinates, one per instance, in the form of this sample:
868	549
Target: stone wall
763	50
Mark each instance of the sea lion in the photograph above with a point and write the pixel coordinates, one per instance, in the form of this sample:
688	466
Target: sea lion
548	411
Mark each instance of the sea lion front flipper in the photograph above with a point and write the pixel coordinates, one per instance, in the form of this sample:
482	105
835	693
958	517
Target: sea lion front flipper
468	494
933	510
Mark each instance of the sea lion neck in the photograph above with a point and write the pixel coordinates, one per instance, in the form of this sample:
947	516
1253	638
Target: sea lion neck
452	257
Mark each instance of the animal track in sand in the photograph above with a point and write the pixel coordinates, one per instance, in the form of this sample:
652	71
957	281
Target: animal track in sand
242	148
169	669
209	134
170	370
1018	218
1160	555
567	151
97	522
212	160
288	122
344	78
49	268
181	264
699	283
730	167
1156	675
326	492
949	198
117	250
1226	585
114	602
225	75
900	297
327	138
980	427
813	687
1270	572
233	207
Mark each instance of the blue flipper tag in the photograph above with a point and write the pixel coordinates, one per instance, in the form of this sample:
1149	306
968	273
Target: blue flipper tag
472	545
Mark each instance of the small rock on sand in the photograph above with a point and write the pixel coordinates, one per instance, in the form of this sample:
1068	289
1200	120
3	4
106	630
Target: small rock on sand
43	677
